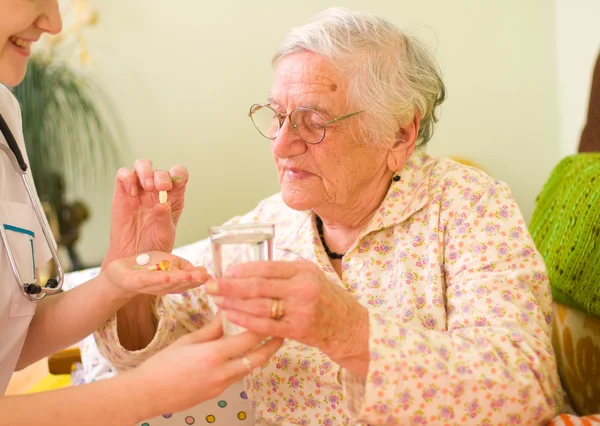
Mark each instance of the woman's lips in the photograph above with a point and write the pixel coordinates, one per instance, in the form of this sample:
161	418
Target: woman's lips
295	173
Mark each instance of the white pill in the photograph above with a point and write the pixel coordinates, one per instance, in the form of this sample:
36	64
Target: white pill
142	259
162	197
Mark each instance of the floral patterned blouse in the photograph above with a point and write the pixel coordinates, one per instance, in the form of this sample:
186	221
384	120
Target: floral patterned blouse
459	309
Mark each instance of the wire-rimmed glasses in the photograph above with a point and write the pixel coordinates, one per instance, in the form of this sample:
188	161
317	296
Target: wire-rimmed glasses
307	123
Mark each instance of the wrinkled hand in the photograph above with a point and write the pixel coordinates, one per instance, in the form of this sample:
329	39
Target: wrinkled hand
139	222
129	281
198	366
316	311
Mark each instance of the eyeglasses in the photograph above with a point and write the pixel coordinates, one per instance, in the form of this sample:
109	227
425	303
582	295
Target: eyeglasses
306	123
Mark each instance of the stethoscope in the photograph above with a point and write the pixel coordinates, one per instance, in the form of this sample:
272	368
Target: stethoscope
34	292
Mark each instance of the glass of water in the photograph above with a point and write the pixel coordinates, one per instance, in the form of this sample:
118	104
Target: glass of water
241	243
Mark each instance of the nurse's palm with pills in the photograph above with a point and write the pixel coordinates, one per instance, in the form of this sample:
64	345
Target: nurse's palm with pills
155	273
146	208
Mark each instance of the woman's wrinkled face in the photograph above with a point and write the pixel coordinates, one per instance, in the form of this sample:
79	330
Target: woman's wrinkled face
340	168
22	23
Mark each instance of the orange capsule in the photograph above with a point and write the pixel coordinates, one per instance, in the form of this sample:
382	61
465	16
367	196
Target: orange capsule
153	268
164	265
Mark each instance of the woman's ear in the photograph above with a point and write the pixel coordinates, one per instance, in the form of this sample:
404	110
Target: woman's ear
404	146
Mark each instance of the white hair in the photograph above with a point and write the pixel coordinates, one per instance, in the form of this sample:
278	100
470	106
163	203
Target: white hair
392	76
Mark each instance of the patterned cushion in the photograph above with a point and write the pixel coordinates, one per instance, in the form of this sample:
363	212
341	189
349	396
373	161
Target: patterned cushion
576	340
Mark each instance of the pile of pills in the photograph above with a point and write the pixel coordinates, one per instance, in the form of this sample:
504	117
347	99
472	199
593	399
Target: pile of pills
144	259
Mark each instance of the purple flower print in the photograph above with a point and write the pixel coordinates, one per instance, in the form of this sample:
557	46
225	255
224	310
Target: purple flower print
464	369
294	382
283	363
515	233
419	370
292	403
378	380
489	357
429	394
418	419
458	390
446	412
472	408
523	367
405	398
408	315
381	408
334	400
480	322
444	353
489	229
527	252
514	419
429	322
311	403
498	402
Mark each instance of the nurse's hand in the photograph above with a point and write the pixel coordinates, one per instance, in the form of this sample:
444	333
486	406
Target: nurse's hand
200	366
139	223
129	279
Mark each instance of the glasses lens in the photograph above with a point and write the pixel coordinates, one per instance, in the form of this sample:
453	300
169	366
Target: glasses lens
308	125
265	120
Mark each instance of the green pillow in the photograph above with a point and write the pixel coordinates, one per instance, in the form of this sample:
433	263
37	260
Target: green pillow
566	229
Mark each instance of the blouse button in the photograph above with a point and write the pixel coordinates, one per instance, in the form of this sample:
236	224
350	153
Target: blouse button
357	263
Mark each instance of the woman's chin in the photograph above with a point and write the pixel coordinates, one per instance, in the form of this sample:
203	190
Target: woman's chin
297	199
12	76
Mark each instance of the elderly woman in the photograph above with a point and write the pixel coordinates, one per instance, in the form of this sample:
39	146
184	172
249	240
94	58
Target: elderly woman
407	288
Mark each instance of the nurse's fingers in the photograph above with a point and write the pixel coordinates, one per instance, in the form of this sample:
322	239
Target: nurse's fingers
160	283
255	356
208	333
145	173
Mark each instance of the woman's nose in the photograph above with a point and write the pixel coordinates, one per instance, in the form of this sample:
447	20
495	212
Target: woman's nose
288	143
50	20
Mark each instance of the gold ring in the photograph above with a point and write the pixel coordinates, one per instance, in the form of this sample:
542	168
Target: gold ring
277	309
247	364
274	308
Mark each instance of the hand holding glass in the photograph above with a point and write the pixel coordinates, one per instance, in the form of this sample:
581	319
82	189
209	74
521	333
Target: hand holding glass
235	244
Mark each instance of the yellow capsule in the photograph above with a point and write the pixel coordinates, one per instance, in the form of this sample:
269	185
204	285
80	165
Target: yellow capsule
162	197
164	265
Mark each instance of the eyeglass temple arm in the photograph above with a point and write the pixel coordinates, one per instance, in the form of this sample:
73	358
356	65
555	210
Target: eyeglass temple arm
343	117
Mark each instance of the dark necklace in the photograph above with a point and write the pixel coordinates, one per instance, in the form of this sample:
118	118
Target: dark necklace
331	254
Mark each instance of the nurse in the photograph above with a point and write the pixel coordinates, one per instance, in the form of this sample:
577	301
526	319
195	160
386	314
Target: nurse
196	367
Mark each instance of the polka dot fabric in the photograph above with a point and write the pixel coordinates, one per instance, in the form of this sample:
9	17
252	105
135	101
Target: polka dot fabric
232	407
459	310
